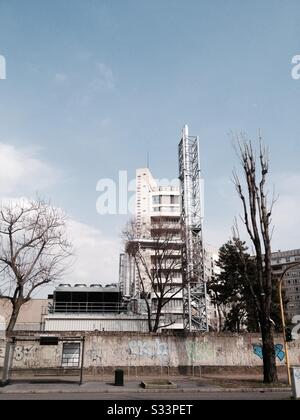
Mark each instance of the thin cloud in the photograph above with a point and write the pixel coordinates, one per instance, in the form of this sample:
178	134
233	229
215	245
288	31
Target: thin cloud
100	80
105	77
60	78
22	171
96	256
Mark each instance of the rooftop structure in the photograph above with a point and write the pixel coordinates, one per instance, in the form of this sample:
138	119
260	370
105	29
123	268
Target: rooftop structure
84	299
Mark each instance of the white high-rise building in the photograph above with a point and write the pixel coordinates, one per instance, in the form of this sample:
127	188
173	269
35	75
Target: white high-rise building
157	210
172	214
154	200
156	206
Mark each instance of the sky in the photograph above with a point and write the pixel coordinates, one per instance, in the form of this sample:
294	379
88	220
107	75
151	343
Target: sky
94	87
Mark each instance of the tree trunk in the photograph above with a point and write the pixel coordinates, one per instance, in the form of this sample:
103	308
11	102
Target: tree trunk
9	350
269	357
157	318
14	316
219	319
149	322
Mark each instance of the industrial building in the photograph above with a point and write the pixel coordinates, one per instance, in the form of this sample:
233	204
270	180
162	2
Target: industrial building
90	308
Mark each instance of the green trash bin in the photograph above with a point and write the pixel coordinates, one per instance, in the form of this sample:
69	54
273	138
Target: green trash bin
119	377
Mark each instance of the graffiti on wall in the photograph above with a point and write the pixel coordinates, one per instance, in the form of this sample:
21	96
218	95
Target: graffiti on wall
27	352
32	355
279	353
26	355
152	350
94	356
200	351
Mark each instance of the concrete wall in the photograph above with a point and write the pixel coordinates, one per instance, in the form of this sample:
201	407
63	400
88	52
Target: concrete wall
103	350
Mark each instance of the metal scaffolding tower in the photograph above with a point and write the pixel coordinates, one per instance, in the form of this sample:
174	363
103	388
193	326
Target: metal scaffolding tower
194	291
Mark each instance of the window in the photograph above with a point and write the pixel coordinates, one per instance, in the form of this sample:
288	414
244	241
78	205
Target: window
156	199
70	354
173	304
174	199
169	209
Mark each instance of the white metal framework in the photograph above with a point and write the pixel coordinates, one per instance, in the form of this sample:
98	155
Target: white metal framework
193	273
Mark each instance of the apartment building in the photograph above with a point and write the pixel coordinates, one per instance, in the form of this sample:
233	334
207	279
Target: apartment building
158	208
215	318
157	225
291	280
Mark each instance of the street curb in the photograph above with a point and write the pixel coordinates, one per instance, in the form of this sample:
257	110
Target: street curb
145	391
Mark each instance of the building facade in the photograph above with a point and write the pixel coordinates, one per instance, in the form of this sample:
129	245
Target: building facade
31	317
215	315
157	230
291	280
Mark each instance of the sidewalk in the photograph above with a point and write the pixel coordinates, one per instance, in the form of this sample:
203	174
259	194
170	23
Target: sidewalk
106	385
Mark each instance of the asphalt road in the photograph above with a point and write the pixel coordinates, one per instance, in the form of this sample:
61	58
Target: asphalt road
149	396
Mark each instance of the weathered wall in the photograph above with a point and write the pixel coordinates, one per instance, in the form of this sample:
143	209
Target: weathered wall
156	350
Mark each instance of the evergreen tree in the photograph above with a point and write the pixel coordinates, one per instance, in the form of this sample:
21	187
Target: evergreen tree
231	289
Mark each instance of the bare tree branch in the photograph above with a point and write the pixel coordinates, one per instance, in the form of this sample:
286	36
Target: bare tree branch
33	250
156	250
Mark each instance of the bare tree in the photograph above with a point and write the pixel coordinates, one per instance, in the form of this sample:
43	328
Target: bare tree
257	219
219	307
157	257
33	251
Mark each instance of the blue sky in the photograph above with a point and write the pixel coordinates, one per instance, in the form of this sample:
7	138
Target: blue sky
93	85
